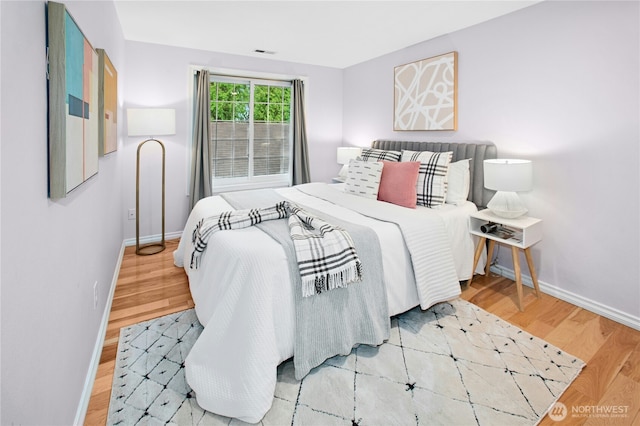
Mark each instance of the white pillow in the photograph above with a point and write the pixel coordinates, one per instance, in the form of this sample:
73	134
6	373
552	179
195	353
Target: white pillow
458	181
363	178
431	187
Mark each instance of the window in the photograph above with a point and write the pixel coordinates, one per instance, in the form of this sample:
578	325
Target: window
251	137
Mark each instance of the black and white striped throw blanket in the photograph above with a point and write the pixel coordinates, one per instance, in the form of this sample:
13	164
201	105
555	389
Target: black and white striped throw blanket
334	322
325	254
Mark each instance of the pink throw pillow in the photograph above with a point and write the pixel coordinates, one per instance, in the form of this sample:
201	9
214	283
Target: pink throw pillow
398	183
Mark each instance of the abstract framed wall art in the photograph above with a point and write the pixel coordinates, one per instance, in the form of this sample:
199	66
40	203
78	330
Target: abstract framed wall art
107	104
425	94
73	103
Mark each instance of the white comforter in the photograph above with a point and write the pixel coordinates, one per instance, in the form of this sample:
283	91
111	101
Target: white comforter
243	298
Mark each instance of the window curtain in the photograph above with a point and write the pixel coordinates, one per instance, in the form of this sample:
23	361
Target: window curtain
200	159
300	148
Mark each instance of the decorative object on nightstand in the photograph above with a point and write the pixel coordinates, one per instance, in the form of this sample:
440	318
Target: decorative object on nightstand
507	176
519	233
150	122
346	154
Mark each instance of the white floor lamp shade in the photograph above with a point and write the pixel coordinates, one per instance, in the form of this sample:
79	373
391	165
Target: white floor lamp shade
151	122
508	177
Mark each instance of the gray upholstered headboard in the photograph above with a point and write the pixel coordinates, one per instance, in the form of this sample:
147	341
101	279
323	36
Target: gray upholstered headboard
477	152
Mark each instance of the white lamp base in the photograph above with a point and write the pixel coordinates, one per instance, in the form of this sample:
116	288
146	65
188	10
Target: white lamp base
507	204
343	171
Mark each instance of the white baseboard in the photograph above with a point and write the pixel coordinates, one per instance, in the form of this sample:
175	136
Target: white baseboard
567	296
153	238
81	413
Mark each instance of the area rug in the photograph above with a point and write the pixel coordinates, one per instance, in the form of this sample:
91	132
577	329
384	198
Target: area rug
454	364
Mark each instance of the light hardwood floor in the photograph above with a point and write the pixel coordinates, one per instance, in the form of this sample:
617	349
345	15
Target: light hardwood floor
150	286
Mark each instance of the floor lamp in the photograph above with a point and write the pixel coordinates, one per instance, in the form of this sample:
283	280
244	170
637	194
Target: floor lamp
150	122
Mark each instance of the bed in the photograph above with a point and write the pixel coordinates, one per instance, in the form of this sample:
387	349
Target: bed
242	288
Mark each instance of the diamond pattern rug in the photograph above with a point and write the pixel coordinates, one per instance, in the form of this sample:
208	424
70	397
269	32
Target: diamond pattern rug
454	364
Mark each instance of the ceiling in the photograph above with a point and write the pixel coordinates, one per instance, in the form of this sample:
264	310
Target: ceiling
328	33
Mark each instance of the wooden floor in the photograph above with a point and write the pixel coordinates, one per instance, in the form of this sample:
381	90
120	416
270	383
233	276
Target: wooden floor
150	286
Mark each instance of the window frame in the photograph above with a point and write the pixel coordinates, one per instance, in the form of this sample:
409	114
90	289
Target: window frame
191	78
252	181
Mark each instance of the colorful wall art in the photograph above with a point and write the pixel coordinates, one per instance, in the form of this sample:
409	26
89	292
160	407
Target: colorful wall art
73	103
108	104
425	94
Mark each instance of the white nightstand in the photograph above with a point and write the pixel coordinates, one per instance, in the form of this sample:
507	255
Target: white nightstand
519	233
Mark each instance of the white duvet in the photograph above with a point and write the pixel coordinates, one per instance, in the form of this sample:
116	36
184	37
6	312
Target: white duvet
243	299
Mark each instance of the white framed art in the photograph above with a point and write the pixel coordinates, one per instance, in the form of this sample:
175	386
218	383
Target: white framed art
425	94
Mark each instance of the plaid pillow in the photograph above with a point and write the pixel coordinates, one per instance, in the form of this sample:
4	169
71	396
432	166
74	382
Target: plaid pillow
431	187
363	178
371	154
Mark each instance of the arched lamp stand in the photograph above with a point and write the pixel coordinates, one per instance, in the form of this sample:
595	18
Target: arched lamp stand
155	247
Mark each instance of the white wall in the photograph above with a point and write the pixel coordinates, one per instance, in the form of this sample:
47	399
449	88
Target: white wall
158	76
52	250
557	83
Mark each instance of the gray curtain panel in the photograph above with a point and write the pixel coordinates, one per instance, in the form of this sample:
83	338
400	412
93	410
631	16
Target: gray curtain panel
300	149
200	159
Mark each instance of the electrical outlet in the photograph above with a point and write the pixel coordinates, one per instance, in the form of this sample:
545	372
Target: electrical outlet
131	214
95	295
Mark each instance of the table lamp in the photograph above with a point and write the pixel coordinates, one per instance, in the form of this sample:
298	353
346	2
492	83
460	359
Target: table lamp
346	154
507	177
